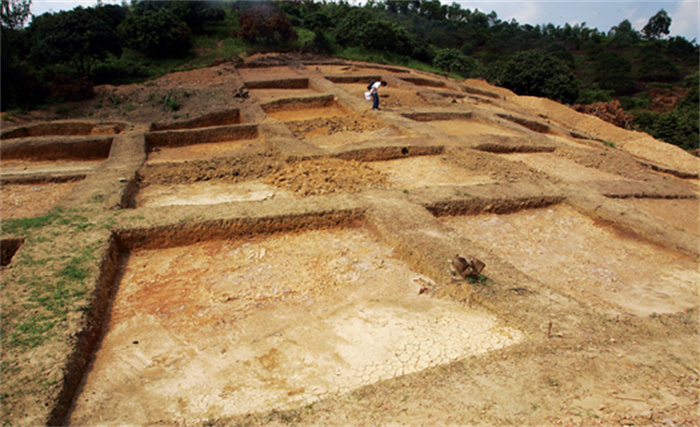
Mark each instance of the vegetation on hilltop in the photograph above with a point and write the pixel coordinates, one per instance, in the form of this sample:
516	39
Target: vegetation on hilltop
59	56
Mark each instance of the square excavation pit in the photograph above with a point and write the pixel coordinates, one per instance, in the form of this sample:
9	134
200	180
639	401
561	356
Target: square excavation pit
222	328
28	167
471	127
207	193
65	129
348	69
32	199
220	118
594	264
269	94
453	124
256	73
204	151
560	167
390	97
427	171
176	146
300	109
420	81
267	90
337	131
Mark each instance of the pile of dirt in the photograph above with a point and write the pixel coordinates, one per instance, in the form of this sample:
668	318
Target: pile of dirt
664	100
326	176
327	126
611	112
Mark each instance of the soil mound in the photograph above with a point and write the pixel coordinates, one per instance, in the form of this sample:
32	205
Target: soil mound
325	176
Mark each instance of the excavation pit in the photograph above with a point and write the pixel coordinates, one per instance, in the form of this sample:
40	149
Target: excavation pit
419	81
263	72
24	200
308	108
20	169
203	151
267	90
347	129
391	97
65	129
427	171
221	118
57	148
273	321
560	167
218	134
461	124
591	262
207	193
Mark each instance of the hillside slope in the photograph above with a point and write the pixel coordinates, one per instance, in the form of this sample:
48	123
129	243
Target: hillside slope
250	244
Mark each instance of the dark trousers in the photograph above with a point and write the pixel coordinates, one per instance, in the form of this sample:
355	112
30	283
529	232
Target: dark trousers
375	100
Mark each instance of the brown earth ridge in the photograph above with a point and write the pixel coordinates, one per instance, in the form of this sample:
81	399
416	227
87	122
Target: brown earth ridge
285	257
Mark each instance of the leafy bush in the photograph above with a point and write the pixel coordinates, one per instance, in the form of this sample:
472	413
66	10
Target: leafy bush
452	61
593	95
79	38
680	126
539	73
655	66
157	32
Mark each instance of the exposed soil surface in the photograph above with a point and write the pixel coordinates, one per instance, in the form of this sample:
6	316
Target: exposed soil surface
28	200
323	176
286	258
279	321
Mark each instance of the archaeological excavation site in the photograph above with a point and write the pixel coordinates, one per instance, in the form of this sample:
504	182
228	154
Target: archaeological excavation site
274	252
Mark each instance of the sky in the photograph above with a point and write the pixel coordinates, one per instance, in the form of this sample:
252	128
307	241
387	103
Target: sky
603	15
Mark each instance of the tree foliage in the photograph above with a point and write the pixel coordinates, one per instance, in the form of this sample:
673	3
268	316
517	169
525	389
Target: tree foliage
539	73
14	13
658	25
453	61
153	29
79	38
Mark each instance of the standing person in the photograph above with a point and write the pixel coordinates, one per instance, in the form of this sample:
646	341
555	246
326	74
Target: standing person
373	90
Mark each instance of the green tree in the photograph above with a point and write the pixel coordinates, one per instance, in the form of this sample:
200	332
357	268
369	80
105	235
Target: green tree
655	66
155	31
623	36
658	24
539	73
613	72
14	13
452	61
385	36
79	38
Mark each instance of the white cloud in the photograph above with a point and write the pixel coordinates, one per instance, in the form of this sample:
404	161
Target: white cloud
685	21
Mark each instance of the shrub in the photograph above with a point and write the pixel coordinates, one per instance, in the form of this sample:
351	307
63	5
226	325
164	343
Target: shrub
452	61
539	73
157	32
